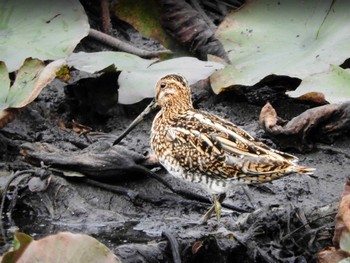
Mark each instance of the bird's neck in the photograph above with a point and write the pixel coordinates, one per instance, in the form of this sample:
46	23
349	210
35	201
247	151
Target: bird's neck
172	110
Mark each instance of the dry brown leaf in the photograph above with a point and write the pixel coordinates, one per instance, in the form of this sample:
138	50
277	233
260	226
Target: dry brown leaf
342	226
342	218
60	123
80	128
331	255
268	117
61	247
344	211
196	246
7	116
317	97
322	123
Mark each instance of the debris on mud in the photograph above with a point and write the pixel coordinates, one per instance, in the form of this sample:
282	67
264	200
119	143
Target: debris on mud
319	124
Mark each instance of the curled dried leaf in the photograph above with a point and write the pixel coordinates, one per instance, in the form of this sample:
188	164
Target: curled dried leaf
316	97
341	238
44	77
331	255
343	216
322	123
196	246
268	117
7	116
80	128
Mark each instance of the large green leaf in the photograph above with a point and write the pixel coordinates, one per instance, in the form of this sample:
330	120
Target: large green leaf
97	61
46	30
294	38
139	84
4	83
139	76
334	84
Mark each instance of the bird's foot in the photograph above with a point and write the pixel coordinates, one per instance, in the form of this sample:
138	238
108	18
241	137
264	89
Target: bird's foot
216	207
208	214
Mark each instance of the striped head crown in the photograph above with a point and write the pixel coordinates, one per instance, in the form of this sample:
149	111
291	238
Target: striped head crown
173	91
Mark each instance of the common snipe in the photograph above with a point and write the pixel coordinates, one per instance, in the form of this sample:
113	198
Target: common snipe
207	150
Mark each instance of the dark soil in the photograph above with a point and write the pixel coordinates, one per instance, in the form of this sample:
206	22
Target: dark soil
133	228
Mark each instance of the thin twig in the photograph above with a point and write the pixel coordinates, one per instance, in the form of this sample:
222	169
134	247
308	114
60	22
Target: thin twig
308	223
174	245
120	45
113	188
106	19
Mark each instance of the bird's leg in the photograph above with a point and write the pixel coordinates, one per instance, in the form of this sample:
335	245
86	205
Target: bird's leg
208	214
217	200
217	206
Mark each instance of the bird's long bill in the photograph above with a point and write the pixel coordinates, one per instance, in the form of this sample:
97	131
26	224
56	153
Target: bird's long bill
150	108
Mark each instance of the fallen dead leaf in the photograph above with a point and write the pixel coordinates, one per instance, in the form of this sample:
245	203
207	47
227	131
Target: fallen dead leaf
196	246
342	230
331	255
317	97
319	124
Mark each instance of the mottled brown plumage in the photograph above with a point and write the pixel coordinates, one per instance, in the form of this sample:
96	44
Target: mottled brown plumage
206	149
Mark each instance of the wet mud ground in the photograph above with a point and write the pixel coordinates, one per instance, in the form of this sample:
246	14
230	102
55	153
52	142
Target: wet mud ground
274	229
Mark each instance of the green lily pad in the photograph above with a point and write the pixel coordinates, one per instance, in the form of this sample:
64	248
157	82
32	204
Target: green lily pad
334	84
61	247
98	61
286	38
139	84
31	78
47	30
139	76
4	83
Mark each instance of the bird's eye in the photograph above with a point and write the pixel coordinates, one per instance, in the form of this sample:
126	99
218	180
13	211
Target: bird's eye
162	85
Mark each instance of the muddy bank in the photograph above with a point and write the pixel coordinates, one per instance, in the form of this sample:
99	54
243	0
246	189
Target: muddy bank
274	229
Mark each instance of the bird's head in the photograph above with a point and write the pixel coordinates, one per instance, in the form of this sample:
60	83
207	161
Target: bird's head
173	91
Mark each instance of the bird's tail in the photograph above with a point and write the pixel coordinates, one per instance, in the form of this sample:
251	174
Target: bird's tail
304	170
